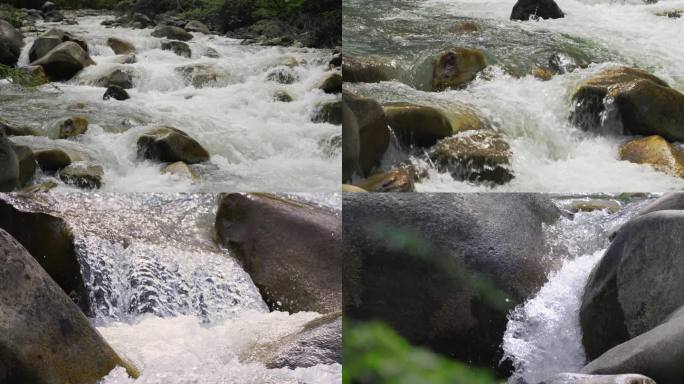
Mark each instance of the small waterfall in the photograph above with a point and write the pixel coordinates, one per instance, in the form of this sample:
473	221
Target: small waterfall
543	335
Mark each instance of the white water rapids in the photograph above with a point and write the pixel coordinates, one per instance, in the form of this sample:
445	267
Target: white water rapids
549	154
256	143
167	298
543	335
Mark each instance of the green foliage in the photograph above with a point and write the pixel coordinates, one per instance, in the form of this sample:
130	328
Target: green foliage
278	9
374	353
204	10
11	15
20	77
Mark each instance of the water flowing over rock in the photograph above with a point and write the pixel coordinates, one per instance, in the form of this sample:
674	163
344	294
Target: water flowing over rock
64	61
536	9
622	298
635	102
11	42
115	92
120	46
82	175
365	135
178	47
292	250
169	144
455	264
45	338
456	68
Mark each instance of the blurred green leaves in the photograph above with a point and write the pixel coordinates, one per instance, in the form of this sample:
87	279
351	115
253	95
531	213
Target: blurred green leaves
374	353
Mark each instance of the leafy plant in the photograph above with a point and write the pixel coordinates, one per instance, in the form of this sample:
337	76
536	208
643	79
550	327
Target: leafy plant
12	15
374	353
21	77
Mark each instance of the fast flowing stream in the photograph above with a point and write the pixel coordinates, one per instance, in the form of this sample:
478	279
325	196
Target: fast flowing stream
165	296
255	142
549	154
543	335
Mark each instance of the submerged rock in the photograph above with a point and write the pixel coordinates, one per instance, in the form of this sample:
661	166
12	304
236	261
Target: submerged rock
478	156
365	135
170	145
657	354
64	61
82	175
456	68
635	100
578	378
115	92
72	127
45	338
464	27
445	269
177	47
329	113
366	70
199	75
181	169
637	283
318	343
52	160
120	46
172	33
282	96
11	42
394	180
536	9
656	152
292	250
423	126
282	75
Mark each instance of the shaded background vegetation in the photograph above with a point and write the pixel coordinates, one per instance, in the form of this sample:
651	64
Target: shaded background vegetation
317	16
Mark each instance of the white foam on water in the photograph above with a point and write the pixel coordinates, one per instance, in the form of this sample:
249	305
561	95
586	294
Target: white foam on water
255	142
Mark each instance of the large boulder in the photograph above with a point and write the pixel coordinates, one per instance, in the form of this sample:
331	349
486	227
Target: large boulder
578	378
477	156
292	250
536	9
456	68
50	40
318	343
658	354
423	126
365	135
11	42
44	337
444	269
367	70
172	33
631	100
656	152
669	201
170	145
52	160
64	61
50	241
637	283
9	165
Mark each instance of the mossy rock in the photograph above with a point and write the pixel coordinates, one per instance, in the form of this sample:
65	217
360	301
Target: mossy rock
394	180
72	127
656	152
365	136
120	46
367	70
170	145
478	156
82	175
543	74
46	338
456	68
423	126
643	103
291	250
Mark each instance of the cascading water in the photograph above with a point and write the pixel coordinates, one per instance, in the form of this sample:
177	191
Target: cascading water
548	153
255	141
165	296
543	335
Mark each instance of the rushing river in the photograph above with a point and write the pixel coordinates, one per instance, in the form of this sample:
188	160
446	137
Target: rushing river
165	296
549	154
255	142
543	336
